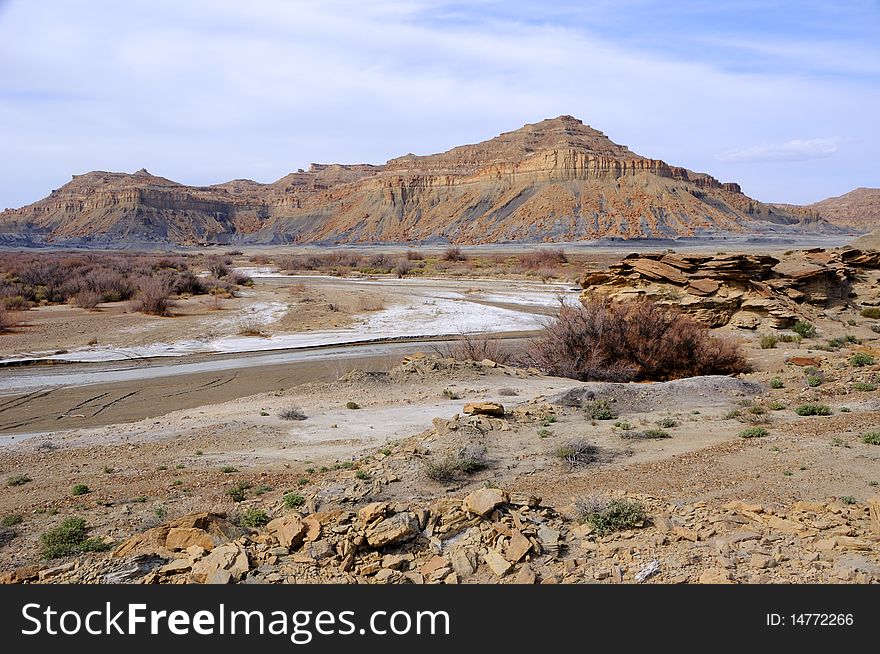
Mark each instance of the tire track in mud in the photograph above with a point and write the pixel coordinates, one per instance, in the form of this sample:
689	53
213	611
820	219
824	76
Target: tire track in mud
116	401
80	405
24	399
214	383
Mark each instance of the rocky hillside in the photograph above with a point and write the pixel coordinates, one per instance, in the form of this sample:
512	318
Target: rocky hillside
860	208
556	180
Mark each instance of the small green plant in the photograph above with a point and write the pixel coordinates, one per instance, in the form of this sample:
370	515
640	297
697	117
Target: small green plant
871	312
848	499
787	473
845	409
80	489
161	513
18	480
179	466
199	453
352	405
864	386
577	452
861	359
837	441
264	413
293	500
811	409
599	409
667	423
237	492
362	475
654	433
302	481
549	420
324	469
775	405
544	433
450	394
254	518
619	515
162	468
140	499
804	329
768	341
11	520
623	424
70	537
791	338
813	381
776	383
871	438
873	483
385	451
108	470
753	432
228	469
262	489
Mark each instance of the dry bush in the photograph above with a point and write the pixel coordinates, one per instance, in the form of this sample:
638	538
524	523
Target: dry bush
153	297
87	299
453	254
370	303
476	347
403	268
251	327
7	319
631	341
543	258
414	255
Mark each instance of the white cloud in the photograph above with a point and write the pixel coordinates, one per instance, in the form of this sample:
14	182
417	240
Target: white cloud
794	150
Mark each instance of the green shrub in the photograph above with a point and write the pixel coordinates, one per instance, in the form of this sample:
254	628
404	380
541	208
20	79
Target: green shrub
237	492
293	500
775	405
837	441
813	410
768	341
667	423
70	537
254	518
544	433
804	329
599	410
18	480
860	359
617	516
871	438
352	405
848	499
776	383
654	433
864	386
814	380
362	475
623	424
80	489
871	312
790	338
467	461
753	432
228	469
11	520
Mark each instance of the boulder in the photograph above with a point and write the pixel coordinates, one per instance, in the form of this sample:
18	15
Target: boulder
230	557
483	501
396	529
288	529
484	409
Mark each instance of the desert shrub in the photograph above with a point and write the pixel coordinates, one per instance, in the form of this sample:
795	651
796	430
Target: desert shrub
651	434
468	460
7	319
153	296
188	282
414	255
768	341
790	338
811	409
623	424
453	253
251	327
80	489
871	438
864	386
861	359
776	383
753	432
804	329
403	267
871	312
477	347
543	259
237	492
352	405
577	452
618	515
254	518
775	405
228	470
667	423
293	500
599	409
363	475
814	380
450	394
218	267
635	340
70	537
750	413
292	413
841	341
87	298
239	278
18	480
11	520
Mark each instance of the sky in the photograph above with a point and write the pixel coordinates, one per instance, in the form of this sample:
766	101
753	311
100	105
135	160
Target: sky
779	96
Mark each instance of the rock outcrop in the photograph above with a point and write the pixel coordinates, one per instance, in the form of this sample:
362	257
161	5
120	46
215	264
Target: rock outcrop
556	180
743	290
858	210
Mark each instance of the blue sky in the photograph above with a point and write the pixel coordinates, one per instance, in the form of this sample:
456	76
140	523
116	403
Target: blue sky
781	97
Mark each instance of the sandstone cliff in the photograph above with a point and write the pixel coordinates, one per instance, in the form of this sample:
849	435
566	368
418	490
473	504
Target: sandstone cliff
556	180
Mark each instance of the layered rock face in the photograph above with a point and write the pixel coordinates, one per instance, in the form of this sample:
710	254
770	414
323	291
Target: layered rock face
741	290
859	209
556	180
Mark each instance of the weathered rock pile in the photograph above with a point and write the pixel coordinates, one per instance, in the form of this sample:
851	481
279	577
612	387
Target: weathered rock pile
497	536
742	290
